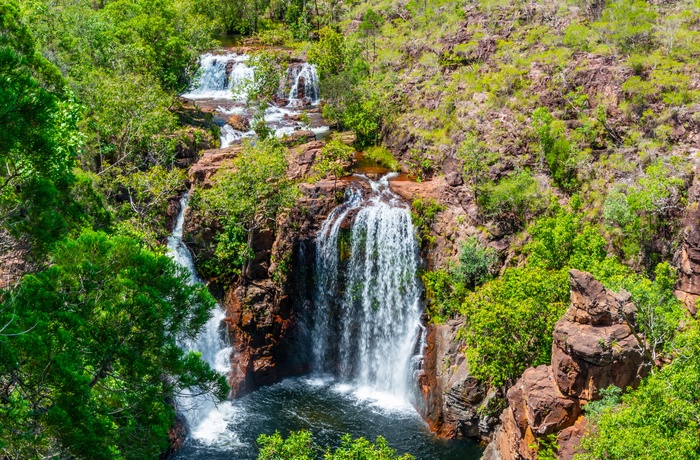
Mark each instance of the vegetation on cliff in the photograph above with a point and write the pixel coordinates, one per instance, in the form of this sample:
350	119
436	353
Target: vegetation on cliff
572	123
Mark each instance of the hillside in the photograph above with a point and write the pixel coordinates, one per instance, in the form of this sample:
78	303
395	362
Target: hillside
275	229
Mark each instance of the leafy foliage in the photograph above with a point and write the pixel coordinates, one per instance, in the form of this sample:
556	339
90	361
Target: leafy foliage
383	156
245	199
90	352
657	420
555	149
512	200
510	321
475	263
334	159
299	445
423	214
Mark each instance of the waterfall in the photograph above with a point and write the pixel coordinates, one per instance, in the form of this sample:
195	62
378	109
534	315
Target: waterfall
304	90
220	75
368	298
205	419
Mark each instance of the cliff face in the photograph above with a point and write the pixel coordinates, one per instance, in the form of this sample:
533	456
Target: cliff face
264	311
264	314
593	348
688	256
455	404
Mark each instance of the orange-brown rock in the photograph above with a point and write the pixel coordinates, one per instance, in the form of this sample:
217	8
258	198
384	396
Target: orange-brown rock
594	347
451	396
688	257
301	158
210	162
239	122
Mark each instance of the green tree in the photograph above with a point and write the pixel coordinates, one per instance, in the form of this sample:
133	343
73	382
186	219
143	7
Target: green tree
299	445
656	421
555	148
245	199
333	161
477	159
475	263
91	352
510	321
512	200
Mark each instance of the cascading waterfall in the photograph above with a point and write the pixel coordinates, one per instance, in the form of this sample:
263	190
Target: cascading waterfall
368	299
306	79
201	412
221	74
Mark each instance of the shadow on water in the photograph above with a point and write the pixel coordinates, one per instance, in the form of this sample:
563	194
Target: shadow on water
328	410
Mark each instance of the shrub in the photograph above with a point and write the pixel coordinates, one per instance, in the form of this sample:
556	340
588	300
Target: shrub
383	156
512	200
423	214
299	445
475	263
332	161
555	149
658	420
510	321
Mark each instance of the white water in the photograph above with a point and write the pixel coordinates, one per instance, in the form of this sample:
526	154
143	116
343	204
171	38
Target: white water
368	307
214	83
207	421
305	77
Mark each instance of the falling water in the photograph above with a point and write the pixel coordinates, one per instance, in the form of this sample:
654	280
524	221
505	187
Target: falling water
305	89
368	303
221	76
203	416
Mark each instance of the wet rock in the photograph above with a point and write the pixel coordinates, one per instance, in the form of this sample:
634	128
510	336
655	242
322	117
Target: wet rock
239	122
299	137
452	397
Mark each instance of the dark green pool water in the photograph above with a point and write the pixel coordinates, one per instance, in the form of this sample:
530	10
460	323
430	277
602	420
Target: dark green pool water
328	410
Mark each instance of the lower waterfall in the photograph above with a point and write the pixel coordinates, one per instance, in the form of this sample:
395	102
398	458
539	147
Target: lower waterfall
368	298
204	418
367	306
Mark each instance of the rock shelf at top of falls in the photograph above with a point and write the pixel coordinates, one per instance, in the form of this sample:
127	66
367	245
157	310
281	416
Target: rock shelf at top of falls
220	87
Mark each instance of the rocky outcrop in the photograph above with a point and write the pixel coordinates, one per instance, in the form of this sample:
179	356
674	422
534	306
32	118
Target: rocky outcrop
594	347
453	402
210	162
263	316
688	257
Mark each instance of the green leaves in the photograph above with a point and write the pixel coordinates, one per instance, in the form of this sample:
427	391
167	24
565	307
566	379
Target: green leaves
300	446
659	419
510	321
245	199
92	348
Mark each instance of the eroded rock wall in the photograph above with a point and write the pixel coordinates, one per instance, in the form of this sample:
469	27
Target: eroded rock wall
594	347
455	404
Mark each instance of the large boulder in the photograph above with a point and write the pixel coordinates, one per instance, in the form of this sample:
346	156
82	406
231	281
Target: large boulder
595	345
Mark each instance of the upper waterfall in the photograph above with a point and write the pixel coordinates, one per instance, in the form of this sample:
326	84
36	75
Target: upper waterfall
219	75
305	87
368	299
